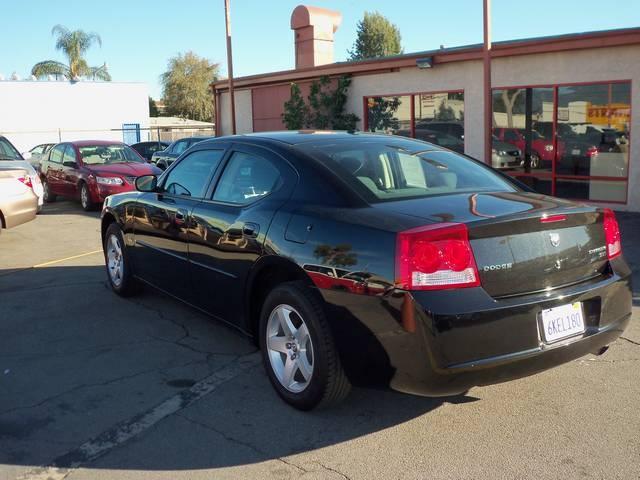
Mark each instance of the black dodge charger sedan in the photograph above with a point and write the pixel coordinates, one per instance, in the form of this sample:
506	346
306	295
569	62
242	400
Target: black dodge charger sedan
372	260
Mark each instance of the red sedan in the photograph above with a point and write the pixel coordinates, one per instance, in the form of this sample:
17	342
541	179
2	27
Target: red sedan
91	170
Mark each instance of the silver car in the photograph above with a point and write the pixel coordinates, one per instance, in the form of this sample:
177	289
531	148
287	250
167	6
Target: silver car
10	159
18	202
505	155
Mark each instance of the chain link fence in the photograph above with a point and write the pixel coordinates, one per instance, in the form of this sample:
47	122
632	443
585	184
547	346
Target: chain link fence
24	140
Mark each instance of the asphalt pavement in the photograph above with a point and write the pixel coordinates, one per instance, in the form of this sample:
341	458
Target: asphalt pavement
94	386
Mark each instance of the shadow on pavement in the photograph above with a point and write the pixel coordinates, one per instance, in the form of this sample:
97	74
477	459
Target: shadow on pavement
63	206
75	360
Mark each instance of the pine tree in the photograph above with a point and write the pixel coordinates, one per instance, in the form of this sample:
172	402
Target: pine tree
377	37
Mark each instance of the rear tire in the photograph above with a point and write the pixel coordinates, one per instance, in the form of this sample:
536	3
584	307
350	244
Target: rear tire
48	196
118	264
295	337
85	198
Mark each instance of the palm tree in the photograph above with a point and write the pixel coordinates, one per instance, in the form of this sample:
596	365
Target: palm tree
74	44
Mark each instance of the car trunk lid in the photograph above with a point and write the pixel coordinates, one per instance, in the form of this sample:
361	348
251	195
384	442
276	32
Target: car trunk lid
522	242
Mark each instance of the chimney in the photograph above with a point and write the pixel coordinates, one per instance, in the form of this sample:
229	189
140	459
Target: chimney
314	28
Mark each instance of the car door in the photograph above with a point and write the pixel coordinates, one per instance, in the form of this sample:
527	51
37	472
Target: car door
231	226
53	169
162	222
70	174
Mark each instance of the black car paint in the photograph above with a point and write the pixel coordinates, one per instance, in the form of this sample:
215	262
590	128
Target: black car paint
425	342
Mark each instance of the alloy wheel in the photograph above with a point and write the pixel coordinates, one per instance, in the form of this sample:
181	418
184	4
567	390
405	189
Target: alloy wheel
115	261
84	196
289	348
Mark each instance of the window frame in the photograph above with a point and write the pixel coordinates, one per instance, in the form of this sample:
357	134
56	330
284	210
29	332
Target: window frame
212	176
552	175
288	173
63	146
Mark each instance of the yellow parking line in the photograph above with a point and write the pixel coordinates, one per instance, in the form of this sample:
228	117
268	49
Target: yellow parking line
65	259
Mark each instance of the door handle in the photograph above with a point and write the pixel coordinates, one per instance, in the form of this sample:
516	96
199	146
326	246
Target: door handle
180	217
251	229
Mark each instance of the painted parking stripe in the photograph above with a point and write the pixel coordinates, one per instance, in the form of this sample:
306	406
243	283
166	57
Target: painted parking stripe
125	431
53	262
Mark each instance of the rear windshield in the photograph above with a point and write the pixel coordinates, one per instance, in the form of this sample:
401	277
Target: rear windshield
8	151
108	154
381	172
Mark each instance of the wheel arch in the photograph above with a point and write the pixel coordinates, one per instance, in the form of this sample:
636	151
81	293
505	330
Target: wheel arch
107	219
269	272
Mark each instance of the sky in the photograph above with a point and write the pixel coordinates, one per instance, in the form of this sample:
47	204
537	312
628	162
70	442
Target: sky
139	36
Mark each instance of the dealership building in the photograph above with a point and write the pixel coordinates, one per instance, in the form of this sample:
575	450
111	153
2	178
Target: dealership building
566	104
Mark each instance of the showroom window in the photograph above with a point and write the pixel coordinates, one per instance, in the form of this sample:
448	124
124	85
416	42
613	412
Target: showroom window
434	117
571	141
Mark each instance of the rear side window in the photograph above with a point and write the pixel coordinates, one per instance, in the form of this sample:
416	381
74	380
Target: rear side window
381	172
190	177
246	178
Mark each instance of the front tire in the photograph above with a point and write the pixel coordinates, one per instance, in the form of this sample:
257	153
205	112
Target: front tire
118	263
85	198
298	349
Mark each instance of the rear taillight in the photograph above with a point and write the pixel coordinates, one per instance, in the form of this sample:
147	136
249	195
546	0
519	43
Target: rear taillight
26	180
435	257
612	234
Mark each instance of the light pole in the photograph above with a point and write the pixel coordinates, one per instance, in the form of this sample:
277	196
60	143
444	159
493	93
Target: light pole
227	14
488	97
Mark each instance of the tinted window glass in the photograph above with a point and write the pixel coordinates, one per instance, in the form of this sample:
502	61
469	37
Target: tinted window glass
7	151
382	172
56	153
191	176
180	147
246	178
69	157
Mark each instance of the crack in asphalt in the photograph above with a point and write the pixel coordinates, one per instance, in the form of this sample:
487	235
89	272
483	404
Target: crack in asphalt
48	286
332	470
630	341
94	385
122	432
240	442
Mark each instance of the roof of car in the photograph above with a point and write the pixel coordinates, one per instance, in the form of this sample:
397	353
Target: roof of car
91	143
296	137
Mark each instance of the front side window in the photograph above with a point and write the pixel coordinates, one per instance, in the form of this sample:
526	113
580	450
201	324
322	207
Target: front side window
108	154
56	153
384	172
246	178
191	176
37	150
69	156
180	147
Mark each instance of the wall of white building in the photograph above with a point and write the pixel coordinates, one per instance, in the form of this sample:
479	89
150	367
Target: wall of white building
33	112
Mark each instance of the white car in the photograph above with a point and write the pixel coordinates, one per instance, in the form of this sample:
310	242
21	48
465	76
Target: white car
10	158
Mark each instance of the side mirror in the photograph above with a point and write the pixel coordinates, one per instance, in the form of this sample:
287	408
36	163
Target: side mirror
147	183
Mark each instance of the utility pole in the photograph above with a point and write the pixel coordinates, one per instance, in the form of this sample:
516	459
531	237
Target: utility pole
488	96
227	14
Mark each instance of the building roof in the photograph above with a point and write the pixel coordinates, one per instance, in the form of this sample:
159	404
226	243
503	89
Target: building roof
168	122
554	43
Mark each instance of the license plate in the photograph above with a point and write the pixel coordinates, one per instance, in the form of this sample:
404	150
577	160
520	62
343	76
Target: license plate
575	151
562	322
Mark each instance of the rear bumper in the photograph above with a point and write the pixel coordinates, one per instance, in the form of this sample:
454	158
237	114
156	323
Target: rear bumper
443	343
19	209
